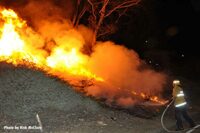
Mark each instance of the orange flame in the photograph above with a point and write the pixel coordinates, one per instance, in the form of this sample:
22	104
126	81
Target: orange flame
14	49
151	98
17	48
10	41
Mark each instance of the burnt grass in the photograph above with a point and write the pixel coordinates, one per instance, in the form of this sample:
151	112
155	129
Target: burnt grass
26	92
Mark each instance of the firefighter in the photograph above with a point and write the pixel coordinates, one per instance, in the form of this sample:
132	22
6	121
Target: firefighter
180	106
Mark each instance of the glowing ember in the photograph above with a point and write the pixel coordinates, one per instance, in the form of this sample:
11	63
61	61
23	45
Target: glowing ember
156	99
151	98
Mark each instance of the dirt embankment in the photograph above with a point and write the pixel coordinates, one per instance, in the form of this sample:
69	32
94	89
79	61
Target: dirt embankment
25	93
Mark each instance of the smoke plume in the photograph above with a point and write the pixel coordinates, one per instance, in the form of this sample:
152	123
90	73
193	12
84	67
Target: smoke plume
121	68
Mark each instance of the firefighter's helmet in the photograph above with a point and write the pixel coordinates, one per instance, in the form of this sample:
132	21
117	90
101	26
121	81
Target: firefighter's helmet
176	82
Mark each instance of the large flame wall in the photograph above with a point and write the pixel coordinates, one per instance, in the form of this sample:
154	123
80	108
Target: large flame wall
54	46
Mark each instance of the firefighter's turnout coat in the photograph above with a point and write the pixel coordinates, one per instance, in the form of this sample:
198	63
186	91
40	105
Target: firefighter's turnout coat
178	96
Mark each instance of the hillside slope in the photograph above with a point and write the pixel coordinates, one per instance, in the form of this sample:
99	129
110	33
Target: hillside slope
25	93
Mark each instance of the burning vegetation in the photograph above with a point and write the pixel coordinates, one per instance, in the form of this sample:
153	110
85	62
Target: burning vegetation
55	47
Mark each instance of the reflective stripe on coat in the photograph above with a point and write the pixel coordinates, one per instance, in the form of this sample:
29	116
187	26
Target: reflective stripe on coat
178	95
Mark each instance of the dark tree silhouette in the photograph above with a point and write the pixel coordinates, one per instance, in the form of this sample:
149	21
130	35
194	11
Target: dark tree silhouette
99	10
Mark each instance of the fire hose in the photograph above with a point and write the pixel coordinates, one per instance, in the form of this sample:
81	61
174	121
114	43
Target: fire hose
170	131
162	117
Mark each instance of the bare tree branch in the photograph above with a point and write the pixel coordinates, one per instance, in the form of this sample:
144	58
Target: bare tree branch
80	15
107	29
125	4
93	10
76	13
99	10
105	3
121	14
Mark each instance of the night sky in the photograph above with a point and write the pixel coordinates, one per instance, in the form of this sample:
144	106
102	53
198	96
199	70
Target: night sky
165	33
